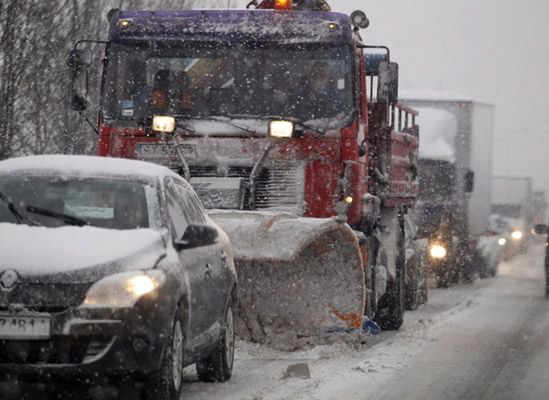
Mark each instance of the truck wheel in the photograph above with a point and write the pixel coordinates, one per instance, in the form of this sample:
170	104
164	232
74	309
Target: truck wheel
166	383
218	366
412	287
390	311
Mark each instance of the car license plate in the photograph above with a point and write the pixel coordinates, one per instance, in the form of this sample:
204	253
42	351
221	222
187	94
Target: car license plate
25	327
152	151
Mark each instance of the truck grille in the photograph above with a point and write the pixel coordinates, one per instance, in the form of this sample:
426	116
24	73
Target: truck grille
280	185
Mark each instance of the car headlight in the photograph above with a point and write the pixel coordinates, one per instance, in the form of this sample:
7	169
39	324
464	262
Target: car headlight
124	289
516	235
502	241
437	251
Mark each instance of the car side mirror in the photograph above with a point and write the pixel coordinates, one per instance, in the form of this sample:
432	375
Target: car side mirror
469	181
541	229
78	63
197	236
388	82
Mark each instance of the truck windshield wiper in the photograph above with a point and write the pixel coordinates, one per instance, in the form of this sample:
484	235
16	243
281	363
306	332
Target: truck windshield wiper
225	120
67	219
16	213
296	121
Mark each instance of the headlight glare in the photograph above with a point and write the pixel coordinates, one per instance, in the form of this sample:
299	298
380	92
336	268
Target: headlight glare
124	289
165	124
502	241
437	251
516	235
281	129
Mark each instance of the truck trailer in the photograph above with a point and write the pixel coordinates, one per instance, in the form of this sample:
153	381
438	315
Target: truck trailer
455	170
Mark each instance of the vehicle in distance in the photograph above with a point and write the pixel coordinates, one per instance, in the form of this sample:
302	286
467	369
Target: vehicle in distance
111	267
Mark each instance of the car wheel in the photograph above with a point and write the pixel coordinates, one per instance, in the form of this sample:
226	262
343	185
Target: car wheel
166	383
218	366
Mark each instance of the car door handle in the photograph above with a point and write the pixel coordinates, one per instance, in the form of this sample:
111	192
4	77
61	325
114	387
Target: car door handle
223	255
208	272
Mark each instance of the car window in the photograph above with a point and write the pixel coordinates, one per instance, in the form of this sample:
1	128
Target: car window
192	207
176	210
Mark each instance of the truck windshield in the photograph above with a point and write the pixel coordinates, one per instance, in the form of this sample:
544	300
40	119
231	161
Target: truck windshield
237	82
436	180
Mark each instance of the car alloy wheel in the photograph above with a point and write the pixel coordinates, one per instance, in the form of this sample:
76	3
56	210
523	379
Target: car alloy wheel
177	355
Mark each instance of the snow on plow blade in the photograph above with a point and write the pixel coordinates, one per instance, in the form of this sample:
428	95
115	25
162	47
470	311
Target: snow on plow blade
303	274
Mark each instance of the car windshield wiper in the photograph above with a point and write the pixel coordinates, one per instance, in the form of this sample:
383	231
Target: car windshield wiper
67	219
16	213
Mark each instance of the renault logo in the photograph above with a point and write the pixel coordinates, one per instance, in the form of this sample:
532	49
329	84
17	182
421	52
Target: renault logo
8	279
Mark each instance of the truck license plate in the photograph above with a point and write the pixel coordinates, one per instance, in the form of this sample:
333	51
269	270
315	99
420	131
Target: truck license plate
147	151
24	328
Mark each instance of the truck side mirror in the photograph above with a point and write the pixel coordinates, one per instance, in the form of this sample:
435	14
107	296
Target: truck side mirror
78	63
469	181
541	229
388	82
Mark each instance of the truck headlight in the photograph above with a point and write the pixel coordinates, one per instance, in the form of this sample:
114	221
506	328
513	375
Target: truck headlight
502	241
437	251
164	124
281	129
123	290
516	235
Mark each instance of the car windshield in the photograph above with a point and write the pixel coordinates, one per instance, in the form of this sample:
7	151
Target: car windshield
294	82
53	202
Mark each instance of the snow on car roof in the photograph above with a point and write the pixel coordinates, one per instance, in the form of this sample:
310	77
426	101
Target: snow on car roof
71	165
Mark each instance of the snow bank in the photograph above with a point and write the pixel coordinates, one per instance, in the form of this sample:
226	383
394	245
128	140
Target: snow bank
438	131
33	251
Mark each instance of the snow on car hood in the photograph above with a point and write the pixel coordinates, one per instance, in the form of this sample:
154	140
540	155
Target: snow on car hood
82	254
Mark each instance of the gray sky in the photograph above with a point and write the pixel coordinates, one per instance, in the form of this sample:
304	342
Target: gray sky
495	51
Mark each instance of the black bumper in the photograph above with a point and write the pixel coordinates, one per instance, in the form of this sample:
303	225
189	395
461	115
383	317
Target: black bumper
92	343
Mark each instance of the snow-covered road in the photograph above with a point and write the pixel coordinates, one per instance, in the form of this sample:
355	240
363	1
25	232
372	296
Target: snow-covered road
488	340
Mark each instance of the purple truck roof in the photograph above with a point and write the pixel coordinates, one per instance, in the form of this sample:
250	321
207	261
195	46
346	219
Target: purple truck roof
255	26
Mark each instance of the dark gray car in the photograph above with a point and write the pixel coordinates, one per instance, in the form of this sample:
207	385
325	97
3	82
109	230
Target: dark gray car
111	267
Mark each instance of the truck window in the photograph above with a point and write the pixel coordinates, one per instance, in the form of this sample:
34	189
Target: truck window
307	84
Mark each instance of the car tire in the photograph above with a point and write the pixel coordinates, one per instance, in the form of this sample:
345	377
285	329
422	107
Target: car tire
218	366
166	382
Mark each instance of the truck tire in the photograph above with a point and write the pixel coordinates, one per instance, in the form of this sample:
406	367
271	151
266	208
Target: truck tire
390	311
218	366
412	286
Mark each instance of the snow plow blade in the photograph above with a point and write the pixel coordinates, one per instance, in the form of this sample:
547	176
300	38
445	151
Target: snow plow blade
301	274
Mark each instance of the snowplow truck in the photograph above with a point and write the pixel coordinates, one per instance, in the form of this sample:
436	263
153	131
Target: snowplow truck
268	114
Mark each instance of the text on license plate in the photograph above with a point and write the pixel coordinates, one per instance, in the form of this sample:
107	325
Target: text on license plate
19	327
166	150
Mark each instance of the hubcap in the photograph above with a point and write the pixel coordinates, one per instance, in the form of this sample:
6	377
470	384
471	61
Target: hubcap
229	337
177	355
